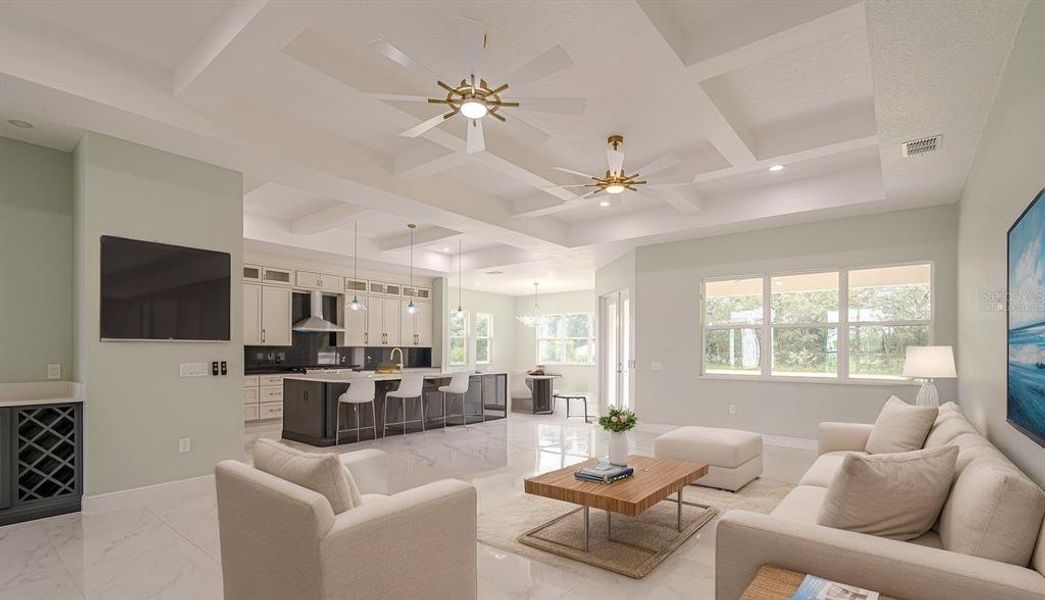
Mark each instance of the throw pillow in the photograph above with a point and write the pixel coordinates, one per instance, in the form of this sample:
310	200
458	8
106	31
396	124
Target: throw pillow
321	473
900	427
897	496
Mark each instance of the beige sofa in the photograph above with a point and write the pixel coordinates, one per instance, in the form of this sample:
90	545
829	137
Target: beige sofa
920	569
280	540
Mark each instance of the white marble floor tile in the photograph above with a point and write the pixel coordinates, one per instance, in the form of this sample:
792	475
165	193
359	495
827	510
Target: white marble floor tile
86	540
175	572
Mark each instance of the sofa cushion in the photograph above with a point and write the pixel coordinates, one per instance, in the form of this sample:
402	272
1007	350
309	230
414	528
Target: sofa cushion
825	467
900	427
801	504
950	423
897	496
728	448
1039	554
321	473
993	512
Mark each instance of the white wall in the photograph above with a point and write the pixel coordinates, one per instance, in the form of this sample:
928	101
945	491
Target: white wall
1008	171
503	310
576	378
137	408
667	320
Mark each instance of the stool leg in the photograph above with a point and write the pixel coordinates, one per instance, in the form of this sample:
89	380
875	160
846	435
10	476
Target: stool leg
373	413
384	422
403	402
464	411
337	425
358	424
421	399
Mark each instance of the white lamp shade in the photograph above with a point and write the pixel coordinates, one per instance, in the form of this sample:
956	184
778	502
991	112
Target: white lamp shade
929	362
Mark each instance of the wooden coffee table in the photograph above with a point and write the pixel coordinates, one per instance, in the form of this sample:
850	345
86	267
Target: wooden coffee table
654	480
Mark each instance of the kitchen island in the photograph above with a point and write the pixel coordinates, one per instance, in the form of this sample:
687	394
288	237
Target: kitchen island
310	404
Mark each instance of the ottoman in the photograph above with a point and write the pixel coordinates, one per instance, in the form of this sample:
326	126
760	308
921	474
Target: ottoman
734	456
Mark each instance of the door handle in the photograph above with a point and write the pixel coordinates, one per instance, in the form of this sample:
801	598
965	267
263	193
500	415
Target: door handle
262	336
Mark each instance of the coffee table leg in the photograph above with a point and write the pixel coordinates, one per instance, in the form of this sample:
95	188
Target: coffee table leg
584	528
679	517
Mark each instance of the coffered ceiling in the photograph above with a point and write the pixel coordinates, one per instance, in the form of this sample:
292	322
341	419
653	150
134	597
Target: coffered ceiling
285	92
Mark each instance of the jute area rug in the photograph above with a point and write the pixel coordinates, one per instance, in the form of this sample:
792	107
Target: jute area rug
636	546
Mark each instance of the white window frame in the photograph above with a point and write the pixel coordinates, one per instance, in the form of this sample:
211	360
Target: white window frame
765	328
450	341
488	337
591	339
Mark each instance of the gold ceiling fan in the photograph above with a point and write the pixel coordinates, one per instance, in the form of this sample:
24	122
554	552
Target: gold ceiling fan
616	180
473	98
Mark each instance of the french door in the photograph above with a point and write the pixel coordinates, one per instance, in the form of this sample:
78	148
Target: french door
615	350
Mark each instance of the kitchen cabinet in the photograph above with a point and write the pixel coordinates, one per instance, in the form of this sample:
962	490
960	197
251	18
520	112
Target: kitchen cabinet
319	281
383	321
276	276
417	328
252	273
266	315
356	324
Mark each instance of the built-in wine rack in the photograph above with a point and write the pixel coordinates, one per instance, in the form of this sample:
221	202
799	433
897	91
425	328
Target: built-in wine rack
46	463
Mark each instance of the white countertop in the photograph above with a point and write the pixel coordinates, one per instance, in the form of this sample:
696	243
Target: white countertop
356	376
39	392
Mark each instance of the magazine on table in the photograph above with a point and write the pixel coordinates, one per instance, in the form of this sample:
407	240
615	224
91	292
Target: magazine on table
816	588
604	472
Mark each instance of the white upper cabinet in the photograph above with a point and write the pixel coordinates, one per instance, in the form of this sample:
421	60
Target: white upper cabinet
276	316
251	315
417	293
356	324
416	328
383	322
319	281
276	276
252	273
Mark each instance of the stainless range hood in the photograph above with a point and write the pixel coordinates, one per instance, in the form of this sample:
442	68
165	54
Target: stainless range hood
316	323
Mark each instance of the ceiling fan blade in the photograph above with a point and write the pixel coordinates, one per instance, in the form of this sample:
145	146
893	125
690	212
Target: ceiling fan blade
615	159
664	162
476	141
572	172
423	126
563	187
660	185
398	97
680	203
590	194
551	61
527	133
560	106
386	49
471	40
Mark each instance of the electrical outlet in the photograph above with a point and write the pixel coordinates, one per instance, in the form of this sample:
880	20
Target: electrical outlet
54	371
656	366
732	409
184	445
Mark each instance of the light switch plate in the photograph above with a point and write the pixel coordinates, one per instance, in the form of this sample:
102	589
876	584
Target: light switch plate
184	445
54	371
656	366
194	369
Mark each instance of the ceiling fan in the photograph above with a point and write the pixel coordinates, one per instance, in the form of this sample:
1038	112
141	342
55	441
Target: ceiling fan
617	181
473	97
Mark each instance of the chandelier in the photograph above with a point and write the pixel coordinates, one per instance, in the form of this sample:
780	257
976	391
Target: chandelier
533	318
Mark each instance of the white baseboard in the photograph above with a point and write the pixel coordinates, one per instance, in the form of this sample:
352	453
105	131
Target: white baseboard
87	499
769	440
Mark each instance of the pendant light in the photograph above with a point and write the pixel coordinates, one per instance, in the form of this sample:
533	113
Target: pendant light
460	282
535	318
355	304
412	308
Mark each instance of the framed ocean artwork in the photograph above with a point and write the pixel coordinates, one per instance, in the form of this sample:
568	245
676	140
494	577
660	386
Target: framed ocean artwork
1025	408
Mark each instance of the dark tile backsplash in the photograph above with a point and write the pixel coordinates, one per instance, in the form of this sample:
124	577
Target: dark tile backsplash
311	353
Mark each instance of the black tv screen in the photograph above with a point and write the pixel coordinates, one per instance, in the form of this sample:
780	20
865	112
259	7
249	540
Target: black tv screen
154	291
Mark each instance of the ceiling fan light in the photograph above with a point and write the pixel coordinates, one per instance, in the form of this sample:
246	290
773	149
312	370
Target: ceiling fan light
614	188
473	109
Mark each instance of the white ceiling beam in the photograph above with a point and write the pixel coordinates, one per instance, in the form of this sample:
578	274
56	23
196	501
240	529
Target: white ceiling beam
766	48
793	157
685	202
428	235
238	46
329	218
728	136
425	160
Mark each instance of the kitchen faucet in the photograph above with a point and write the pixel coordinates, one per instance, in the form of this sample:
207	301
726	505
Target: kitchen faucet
392	356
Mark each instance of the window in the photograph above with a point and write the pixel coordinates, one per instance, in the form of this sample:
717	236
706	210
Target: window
483	338
567	339
889	309
459	338
843	324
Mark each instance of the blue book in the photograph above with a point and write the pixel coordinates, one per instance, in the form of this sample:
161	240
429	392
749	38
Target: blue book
815	588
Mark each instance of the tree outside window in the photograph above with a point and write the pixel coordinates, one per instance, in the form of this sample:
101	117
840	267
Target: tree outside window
483	338
458	338
566	339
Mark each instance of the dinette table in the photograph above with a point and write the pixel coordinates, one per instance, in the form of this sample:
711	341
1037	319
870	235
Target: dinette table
541	389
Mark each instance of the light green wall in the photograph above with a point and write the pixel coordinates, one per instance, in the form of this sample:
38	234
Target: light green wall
667	318
137	408
36	198
575	378
503	310
1008	171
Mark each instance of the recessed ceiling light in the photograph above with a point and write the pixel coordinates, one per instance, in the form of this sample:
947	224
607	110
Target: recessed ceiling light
776	168
604	203
20	123
446	249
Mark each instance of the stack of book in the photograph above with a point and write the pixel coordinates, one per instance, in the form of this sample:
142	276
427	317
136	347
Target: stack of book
604	472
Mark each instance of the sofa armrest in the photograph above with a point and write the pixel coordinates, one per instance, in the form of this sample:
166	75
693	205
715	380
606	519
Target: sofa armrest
844	436
420	543
747	540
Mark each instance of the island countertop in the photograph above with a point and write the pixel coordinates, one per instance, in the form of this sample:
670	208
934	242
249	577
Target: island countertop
356	375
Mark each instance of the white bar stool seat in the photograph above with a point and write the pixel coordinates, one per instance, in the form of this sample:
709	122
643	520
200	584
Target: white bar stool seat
360	391
410	386
459	383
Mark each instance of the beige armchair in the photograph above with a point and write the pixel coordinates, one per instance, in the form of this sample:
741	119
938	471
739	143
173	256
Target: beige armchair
280	540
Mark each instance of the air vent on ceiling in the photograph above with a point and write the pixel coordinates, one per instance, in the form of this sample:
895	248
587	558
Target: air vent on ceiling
494	272
922	146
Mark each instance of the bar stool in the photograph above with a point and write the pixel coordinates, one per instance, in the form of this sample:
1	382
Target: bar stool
459	383
360	391
410	386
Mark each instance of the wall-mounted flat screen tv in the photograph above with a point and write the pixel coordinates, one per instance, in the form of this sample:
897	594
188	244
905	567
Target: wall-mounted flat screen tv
154	291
